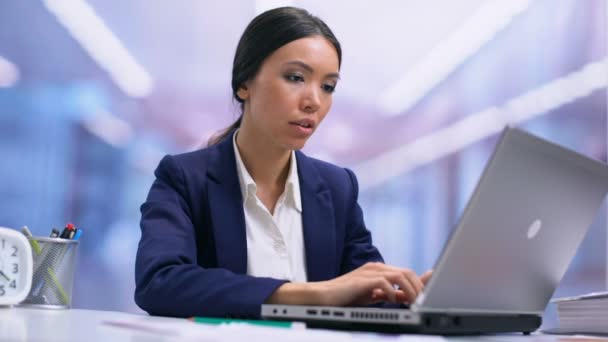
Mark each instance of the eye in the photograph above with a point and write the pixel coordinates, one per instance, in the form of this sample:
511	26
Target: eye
328	88
294	78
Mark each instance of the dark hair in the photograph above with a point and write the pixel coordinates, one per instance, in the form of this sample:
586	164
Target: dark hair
266	33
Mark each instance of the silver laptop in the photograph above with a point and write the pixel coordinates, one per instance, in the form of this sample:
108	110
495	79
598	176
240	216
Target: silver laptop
515	240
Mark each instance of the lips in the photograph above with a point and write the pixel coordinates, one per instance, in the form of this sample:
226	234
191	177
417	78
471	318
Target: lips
306	123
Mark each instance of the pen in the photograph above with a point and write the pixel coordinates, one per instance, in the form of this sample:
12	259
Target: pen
58	287
37	258
65	234
218	321
54	233
77	234
25	230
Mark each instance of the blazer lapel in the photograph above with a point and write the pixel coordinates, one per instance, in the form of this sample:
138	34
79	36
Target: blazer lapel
317	222
226	208
228	219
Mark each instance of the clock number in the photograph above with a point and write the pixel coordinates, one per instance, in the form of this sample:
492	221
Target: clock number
14	251
15	268
2	291
13	284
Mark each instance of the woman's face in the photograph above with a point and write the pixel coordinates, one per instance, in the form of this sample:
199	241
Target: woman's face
292	92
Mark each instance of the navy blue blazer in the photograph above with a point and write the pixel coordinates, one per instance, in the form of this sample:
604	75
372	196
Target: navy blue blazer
192	256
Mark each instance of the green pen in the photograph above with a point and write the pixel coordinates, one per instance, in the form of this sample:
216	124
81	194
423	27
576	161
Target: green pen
218	321
26	231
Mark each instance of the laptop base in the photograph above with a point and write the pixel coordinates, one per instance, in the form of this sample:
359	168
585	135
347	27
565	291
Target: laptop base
442	324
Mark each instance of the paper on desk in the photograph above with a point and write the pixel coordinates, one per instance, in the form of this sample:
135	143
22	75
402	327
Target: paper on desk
592	295
189	331
535	337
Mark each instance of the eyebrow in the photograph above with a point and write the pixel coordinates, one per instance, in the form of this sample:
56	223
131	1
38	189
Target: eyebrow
311	70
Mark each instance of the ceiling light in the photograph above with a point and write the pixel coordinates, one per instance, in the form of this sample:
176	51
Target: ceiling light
449	54
480	125
9	73
109	128
102	45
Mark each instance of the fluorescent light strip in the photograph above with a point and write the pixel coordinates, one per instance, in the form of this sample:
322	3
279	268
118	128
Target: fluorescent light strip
9	73
109	128
450	53
480	125
102	45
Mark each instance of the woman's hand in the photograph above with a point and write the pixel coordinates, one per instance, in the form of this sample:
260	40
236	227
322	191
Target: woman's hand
371	283
379	295
367	284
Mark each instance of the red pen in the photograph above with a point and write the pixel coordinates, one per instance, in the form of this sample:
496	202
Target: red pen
65	234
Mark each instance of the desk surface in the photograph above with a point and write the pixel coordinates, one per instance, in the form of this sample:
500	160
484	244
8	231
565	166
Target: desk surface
29	324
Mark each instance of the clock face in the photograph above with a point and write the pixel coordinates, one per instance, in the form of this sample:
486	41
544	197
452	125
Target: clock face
15	267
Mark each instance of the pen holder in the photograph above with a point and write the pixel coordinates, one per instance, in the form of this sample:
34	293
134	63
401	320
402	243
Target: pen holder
54	265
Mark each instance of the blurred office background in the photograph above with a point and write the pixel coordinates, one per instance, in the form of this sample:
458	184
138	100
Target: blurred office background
93	93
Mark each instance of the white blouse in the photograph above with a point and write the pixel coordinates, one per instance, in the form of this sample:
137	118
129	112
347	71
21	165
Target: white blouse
275	243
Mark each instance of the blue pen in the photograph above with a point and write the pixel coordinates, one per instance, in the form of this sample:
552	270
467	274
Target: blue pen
77	234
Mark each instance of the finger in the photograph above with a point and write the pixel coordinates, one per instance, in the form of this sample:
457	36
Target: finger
386	287
373	266
378	296
413	278
401	280
413	293
410	275
426	276
401	297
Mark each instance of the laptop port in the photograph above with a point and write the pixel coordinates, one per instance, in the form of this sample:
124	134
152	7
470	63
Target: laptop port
325	312
311	312
339	313
427	322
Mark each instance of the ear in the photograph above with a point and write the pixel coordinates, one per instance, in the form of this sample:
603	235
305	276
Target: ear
243	93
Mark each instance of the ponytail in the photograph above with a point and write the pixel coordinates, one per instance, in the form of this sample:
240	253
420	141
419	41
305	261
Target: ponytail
222	134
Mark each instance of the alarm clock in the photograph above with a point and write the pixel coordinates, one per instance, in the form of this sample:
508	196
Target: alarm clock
16	266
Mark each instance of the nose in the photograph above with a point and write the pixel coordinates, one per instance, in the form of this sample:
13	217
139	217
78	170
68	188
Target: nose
311	100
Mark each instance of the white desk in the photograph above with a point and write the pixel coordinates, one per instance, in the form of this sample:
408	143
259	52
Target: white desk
29	324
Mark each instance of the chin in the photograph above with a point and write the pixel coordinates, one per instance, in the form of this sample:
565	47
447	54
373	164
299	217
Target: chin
295	147
295	144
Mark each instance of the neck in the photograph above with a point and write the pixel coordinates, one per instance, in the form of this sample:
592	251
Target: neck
267	163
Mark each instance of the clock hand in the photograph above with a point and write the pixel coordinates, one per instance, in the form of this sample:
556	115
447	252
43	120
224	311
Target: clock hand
5	277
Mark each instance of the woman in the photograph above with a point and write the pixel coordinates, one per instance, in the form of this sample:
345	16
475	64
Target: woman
250	219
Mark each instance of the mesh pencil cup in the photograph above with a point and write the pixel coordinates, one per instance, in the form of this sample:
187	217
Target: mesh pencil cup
54	266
